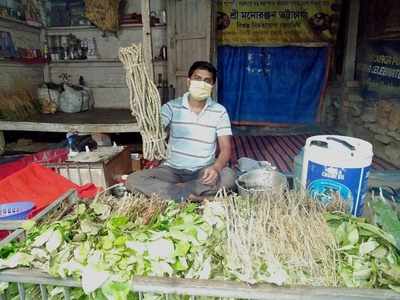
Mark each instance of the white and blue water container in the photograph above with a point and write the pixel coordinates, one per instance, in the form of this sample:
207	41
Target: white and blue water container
337	165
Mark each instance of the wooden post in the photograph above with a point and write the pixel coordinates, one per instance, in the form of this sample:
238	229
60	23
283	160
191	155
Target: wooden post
147	45
171	38
351	40
46	68
2	143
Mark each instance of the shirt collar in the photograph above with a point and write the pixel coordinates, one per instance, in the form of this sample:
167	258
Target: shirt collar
185	101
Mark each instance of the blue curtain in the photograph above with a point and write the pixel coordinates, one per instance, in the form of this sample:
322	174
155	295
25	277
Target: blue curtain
274	85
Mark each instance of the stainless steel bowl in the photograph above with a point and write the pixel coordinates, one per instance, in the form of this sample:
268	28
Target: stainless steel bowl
260	181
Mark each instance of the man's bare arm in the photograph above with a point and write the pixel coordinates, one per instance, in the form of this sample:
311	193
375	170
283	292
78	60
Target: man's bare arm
211	173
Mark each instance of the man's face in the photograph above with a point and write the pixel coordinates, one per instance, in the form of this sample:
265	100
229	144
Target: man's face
201	75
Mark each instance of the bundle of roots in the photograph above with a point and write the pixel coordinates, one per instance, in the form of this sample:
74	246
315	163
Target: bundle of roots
280	238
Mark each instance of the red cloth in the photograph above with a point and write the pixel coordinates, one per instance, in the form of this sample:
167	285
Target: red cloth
34	183
46	156
40	185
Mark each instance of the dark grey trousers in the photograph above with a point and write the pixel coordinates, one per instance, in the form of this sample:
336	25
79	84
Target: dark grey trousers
177	184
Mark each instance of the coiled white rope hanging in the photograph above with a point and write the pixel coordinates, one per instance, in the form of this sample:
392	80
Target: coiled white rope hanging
144	101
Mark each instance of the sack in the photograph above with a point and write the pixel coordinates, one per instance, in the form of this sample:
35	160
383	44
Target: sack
87	99
48	99
73	100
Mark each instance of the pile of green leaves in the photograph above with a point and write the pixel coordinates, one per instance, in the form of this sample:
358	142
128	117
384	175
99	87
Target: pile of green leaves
105	251
369	252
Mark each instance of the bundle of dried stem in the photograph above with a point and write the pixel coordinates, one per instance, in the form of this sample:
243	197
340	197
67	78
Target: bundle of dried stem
104	14
280	238
136	207
17	104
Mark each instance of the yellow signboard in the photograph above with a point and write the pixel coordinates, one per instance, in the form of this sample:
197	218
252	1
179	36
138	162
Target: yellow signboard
264	21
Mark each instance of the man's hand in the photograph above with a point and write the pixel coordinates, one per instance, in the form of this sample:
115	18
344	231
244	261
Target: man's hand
210	176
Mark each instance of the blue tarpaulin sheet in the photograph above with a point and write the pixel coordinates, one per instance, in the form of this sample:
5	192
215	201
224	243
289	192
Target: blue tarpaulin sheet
271	84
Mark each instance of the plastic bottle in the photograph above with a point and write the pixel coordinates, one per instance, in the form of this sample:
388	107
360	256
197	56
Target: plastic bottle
81	80
71	139
171	92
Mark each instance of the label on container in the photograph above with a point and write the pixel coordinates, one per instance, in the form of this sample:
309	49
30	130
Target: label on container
325	183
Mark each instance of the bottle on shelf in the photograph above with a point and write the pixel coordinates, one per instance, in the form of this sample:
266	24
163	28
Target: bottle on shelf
46	53
84	48
171	92
163	52
81	81
64	48
163	17
165	91
92	53
71	140
61	50
159	86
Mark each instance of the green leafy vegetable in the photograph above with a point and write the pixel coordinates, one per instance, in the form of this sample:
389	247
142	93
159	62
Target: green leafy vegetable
387	218
368	256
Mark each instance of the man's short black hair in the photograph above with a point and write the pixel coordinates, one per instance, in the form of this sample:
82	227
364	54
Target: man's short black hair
203	65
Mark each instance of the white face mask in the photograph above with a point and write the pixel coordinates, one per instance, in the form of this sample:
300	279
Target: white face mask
199	90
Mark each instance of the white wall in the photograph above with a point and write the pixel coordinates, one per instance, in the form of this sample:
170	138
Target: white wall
106	77
16	75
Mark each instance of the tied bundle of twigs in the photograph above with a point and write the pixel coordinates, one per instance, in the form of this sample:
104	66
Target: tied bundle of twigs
104	14
144	101
17	105
280	238
136	207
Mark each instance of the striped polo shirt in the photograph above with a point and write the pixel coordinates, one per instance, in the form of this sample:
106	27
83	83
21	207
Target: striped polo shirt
193	136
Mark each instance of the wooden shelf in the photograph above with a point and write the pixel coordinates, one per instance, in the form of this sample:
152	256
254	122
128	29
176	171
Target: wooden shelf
87	62
13	63
14	24
99	120
61	29
79	61
16	21
388	37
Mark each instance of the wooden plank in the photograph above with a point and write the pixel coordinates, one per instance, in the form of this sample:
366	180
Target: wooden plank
351	40
83	128
213	38
93	121
190	36
8	63
211	288
147	45
275	45
64	30
229	289
208	28
25	275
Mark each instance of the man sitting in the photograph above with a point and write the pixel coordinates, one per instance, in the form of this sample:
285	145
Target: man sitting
197	125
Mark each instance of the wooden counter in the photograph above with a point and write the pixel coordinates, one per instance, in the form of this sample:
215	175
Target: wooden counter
99	120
